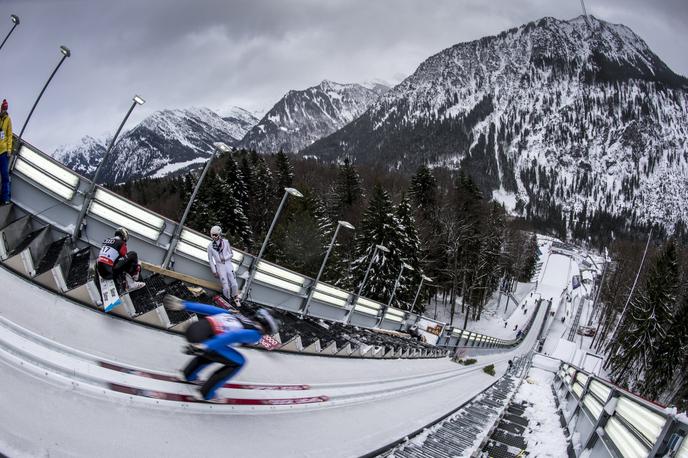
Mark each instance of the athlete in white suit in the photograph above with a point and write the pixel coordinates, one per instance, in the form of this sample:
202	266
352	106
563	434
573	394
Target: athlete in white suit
220	259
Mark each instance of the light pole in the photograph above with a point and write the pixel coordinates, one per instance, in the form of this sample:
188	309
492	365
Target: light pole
322	266
219	147
422	279
15	20
137	100
254	265
65	54
394	290
382	248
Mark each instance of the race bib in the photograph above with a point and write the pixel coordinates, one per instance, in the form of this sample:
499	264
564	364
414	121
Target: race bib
2	134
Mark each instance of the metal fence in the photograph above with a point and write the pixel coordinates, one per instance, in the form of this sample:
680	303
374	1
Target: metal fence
55	194
613	422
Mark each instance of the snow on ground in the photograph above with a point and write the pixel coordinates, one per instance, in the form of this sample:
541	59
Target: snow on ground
544	436
500	309
169	168
501	317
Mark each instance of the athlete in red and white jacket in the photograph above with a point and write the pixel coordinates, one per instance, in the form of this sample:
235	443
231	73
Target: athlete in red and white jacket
117	263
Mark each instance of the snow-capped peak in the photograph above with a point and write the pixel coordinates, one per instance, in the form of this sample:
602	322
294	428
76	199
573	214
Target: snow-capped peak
167	141
301	117
573	114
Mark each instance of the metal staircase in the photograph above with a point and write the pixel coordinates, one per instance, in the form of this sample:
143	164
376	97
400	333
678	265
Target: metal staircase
576	320
461	434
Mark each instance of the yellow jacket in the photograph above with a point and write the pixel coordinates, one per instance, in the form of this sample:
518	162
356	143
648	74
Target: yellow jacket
5	134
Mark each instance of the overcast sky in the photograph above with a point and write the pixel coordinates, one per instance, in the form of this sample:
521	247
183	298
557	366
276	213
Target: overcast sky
219	53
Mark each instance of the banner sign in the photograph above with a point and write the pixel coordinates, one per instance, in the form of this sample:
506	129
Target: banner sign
431	330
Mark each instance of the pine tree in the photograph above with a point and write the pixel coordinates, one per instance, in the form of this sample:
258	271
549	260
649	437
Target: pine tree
264	200
297	241
230	216
490	256
234	177
337	271
409	244
423	190
531	260
284	173
232	204
378	227
668	362
347	191
203	214
677	357
647	321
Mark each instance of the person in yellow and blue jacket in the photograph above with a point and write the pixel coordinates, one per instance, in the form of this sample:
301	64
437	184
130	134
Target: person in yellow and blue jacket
5	151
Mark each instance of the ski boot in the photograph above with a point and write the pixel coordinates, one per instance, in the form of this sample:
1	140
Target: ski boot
131	284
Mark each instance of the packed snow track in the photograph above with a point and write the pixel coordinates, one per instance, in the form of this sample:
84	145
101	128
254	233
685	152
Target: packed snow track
80	383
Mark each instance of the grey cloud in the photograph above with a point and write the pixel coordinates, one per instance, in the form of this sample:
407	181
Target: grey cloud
249	53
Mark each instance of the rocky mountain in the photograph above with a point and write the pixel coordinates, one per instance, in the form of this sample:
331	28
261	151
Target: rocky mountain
302	117
168	141
83	157
554	115
242	120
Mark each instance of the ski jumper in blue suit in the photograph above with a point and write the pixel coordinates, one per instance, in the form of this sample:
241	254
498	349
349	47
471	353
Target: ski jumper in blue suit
218	331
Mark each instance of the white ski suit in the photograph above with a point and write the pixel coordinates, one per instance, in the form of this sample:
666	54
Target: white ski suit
220	259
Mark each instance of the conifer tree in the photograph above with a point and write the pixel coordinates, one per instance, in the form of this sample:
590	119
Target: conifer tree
284	173
647	321
297	241
669	360
677	358
377	227
232	203
423	190
265	202
530	263
230	216
203	213
409	244
348	193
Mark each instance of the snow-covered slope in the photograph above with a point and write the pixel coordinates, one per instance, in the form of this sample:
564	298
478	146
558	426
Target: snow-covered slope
242	120
551	113
84	157
168	141
302	117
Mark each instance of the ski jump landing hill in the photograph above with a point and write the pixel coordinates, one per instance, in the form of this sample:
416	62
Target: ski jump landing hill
76	381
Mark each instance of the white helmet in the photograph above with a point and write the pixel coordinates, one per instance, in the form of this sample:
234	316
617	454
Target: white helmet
216	230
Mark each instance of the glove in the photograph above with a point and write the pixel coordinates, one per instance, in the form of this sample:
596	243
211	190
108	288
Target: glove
172	302
195	350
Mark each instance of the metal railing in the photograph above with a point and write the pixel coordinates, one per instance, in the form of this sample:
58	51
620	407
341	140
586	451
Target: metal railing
614	422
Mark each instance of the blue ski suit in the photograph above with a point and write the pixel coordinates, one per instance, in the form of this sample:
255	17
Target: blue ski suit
222	330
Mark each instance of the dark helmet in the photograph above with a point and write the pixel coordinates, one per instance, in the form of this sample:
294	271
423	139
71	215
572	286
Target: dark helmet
267	322
122	233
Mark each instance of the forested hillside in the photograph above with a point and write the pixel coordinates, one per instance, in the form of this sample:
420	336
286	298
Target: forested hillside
436	221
